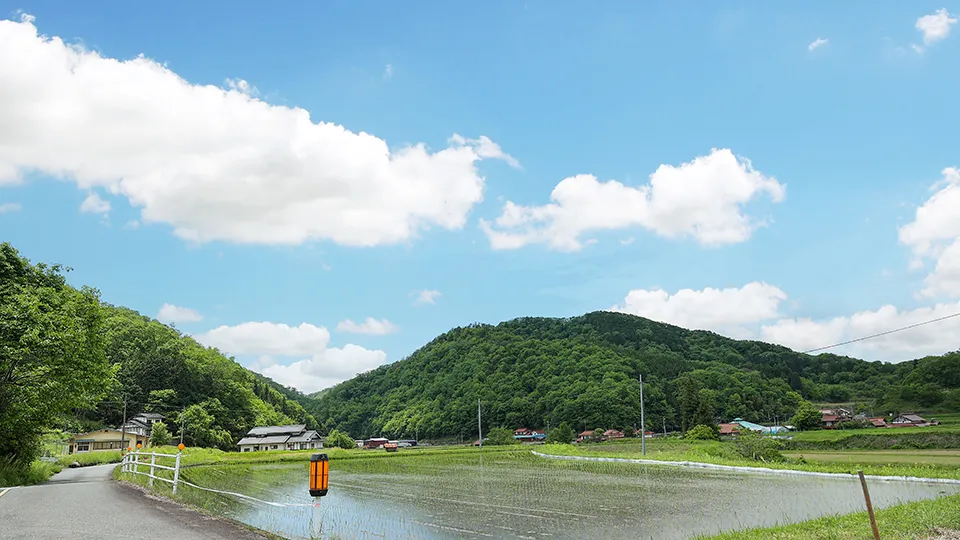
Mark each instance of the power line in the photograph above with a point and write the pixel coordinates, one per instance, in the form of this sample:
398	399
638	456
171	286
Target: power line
938	319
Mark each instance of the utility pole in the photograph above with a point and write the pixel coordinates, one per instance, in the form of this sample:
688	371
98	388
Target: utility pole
123	427
479	427
643	424
182	422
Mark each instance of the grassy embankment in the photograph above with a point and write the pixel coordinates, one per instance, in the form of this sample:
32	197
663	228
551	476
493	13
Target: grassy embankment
16	475
932	452
912	521
908	463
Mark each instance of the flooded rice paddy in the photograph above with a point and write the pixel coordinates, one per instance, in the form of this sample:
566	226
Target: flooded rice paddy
517	495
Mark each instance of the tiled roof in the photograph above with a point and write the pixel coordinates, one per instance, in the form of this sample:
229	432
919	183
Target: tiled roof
278	439
727	429
305	437
293	429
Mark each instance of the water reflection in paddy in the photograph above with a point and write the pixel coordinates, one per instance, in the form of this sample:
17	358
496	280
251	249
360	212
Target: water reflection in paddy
522	496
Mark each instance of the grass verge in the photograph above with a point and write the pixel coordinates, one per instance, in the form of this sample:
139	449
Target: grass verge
910	521
85	459
13	474
724	453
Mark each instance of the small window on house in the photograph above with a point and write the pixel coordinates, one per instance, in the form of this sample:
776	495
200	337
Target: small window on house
274	447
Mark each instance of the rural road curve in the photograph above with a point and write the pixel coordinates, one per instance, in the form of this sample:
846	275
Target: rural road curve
87	502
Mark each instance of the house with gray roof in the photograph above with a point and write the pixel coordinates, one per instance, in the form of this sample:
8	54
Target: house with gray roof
292	437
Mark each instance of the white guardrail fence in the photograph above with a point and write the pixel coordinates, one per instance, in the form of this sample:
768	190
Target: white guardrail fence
134	460
131	463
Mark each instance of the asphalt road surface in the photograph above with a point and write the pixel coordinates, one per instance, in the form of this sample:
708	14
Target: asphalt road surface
87	503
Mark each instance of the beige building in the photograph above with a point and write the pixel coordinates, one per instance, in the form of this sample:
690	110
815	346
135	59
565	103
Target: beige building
104	439
294	437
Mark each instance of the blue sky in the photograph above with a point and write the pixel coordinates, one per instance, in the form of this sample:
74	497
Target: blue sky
774	172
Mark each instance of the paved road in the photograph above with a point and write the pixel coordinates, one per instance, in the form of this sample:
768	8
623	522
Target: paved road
86	502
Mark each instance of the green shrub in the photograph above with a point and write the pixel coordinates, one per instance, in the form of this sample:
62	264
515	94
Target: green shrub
754	445
339	439
500	436
562	434
701	432
85	459
807	417
159	434
13	473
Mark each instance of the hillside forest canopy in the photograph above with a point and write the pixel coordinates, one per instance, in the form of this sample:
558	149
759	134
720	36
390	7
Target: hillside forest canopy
539	372
69	361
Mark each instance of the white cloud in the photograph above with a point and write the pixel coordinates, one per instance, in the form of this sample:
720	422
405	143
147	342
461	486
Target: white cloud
218	163
369	326
934	235
931	339
426	296
626	241
803	334
753	312
388	72
323	367
243	87
485	148
728	311
935	26
93	204
268	338
131	225
9	207
170	313
702	199
819	42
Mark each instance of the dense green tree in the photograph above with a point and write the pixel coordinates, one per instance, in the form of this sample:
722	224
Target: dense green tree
200	427
807	417
532	372
500	436
629	432
702	432
51	352
159	434
339	439
756	446
689	403
561	434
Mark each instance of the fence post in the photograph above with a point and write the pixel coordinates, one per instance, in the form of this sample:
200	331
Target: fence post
153	461
136	461
176	472
866	496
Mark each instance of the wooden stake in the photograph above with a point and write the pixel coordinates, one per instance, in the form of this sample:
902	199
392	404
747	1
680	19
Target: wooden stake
866	497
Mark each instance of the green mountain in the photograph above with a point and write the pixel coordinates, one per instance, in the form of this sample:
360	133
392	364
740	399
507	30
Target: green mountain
70	361
539	372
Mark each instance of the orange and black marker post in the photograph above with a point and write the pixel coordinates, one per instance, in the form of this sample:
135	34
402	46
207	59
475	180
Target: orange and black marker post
319	475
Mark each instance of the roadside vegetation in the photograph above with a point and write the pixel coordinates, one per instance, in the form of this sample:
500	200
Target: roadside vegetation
913	521
69	361
753	452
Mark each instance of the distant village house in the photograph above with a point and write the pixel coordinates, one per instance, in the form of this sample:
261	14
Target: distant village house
292	437
529	435
105	439
911	420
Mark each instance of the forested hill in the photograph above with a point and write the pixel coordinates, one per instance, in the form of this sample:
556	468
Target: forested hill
69	361
536	372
